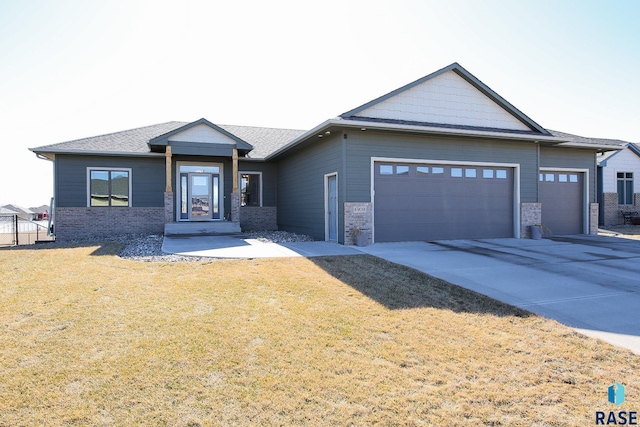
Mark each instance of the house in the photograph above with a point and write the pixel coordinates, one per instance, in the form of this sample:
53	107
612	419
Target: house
444	157
618	174
41	213
22	213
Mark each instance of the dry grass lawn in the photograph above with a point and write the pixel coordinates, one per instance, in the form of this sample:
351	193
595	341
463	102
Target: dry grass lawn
88	338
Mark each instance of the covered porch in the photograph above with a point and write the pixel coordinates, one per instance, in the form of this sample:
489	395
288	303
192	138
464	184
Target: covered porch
202	194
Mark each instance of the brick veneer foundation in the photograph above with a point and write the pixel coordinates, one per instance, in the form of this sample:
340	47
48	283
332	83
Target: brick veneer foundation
255	218
83	223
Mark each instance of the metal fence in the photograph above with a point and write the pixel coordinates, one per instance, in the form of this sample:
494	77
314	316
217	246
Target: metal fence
19	231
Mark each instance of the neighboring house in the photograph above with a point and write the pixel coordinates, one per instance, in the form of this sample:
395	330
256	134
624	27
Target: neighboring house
23	213
618	183
444	157
41	213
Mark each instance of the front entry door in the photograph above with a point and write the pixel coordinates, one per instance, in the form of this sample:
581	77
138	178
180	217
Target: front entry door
204	196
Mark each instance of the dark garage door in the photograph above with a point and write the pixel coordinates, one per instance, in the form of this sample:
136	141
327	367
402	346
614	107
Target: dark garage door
562	200
436	202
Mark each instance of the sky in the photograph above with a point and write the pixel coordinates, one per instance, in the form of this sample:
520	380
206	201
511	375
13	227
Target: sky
71	69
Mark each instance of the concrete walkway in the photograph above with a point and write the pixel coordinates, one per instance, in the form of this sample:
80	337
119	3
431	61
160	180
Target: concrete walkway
235	247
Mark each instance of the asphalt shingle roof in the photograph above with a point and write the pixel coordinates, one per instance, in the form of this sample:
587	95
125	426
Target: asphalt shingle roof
134	141
587	140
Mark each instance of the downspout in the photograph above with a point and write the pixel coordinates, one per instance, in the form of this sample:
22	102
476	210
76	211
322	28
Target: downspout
343	190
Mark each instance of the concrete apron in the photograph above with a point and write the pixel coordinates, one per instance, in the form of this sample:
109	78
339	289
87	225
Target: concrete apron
590	283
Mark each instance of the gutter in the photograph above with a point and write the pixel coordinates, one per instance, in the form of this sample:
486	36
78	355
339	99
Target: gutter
42	154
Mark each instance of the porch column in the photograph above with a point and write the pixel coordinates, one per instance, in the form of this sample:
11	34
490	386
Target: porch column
235	194
169	188
168	191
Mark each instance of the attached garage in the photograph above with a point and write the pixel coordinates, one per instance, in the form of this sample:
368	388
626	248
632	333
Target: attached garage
562	196
440	201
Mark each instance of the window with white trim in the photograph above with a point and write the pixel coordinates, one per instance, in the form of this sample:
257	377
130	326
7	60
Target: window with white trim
625	188
109	187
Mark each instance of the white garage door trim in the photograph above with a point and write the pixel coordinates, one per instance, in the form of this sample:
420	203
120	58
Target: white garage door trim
585	192
516	183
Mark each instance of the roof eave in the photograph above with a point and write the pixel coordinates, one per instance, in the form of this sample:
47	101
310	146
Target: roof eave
446	131
600	147
95	153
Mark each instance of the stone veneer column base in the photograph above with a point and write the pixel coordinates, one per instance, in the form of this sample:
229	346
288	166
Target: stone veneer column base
593	218
168	207
235	207
357	215
530	214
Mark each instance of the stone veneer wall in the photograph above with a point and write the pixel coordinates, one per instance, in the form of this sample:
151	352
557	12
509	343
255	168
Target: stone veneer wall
357	215
168	207
235	207
530	214
256	218
593	218
612	215
83	223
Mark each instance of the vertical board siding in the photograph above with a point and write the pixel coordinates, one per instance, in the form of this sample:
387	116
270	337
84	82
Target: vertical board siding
361	146
572	158
147	179
300	189
269	176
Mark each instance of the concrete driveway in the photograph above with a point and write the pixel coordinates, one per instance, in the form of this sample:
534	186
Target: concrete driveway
590	283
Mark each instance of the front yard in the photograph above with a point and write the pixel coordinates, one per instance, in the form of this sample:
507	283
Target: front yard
88	338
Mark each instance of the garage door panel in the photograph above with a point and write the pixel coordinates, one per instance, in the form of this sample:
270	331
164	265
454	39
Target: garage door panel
562	200
437	206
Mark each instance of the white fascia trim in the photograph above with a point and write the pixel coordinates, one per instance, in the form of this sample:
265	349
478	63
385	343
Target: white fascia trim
102	153
587	145
251	173
585	192
516	183
444	131
314	131
98	168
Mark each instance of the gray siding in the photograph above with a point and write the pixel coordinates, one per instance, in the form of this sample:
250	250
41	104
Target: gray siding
300	189
269	176
147	179
361	146
572	158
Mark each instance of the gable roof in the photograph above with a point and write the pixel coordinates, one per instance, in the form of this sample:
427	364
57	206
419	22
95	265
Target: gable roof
135	142
164	138
460	95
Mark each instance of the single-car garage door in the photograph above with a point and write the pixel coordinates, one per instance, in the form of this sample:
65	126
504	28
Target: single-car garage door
442	201
562	200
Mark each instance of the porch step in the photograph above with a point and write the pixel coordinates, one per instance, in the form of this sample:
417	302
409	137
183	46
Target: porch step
211	228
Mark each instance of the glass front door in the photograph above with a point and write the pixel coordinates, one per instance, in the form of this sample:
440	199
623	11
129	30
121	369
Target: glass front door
200	196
